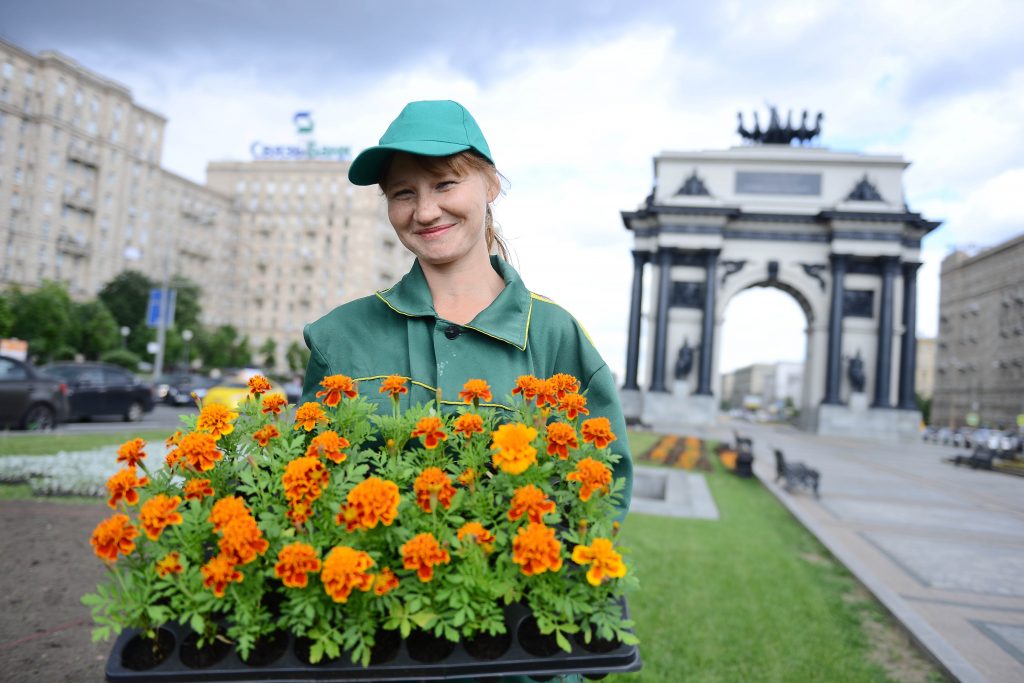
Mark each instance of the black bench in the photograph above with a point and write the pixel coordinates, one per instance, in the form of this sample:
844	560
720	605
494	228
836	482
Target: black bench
796	474
744	456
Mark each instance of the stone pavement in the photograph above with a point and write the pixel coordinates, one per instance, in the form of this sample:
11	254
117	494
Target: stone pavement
942	547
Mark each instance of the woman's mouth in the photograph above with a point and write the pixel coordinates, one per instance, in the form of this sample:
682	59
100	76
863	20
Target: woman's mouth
435	230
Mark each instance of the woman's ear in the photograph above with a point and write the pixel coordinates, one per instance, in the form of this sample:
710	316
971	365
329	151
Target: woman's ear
493	187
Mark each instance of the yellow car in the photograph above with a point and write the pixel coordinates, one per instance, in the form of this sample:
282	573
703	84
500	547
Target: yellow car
233	391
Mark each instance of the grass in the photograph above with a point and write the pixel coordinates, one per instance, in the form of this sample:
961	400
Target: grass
639	442
48	444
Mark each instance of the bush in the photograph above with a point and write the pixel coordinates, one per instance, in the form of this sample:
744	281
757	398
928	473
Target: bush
126	359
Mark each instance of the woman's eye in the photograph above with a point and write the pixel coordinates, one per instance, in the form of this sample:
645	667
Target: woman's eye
401	194
446	184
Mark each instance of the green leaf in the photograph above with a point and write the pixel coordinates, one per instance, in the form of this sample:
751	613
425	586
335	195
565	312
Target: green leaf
197	623
563	642
316	653
423	619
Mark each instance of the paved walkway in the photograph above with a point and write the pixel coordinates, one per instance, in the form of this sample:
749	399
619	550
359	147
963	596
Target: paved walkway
942	547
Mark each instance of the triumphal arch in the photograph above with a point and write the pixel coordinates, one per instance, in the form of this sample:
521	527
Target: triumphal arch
830	228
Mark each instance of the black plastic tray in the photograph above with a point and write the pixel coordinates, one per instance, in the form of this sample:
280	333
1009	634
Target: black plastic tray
402	667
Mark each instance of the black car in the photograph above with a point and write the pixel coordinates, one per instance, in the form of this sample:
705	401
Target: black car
102	389
28	399
177	390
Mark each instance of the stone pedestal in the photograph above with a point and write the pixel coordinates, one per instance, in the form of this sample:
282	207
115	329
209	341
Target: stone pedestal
632	405
858	403
678	411
882	424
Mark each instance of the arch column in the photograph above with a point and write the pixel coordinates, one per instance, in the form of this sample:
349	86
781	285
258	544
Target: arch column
707	330
833	365
635	303
883	363
908	345
661	320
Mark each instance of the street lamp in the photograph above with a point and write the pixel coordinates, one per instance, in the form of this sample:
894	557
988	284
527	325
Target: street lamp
187	336
125	331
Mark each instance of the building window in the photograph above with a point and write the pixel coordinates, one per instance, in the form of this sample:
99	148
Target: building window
78	97
8	69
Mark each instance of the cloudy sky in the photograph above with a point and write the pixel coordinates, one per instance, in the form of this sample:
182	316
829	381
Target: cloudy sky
577	97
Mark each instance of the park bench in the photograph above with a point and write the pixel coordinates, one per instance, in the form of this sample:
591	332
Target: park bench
744	456
796	474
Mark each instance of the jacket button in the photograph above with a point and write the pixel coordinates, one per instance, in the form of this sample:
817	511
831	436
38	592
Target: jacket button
452	331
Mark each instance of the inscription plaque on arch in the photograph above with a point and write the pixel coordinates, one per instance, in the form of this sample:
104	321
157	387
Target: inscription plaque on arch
765	182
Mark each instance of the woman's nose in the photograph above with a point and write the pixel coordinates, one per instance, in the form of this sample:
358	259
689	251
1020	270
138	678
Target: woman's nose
427	210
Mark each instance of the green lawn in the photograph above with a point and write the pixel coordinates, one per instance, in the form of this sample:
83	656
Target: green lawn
47	444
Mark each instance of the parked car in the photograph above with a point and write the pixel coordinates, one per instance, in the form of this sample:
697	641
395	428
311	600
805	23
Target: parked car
177	390
29	399
230	391
103	389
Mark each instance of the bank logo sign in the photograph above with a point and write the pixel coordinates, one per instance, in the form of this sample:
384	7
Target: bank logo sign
304	150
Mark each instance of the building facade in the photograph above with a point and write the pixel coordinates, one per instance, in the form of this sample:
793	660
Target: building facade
980	357
925	367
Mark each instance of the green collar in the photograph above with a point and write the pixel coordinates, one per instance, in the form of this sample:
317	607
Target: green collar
506	319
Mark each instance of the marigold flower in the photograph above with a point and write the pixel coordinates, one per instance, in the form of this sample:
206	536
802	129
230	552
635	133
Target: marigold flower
172	458
394	385
157	513
592	475
173	439
226	509
474	391
344	569
264	434
527	385
304	480
530	501
599	431
469	424
467	477
308	415
334	386
561	437
218	573
536	549
273	403
258	384
422	552
474	532
197	489
242	540
433	486
131	453
385	582
514	454
547	393
430	428
369	502
169	564
199	450
328	445
294	562
122	485
604	562
113	536
573	405
564	384
216	419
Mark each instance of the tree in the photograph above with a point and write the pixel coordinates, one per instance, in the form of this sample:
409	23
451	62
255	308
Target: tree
126	296
297	357
268	352
45	320
6	316
187	309
925	406
97	329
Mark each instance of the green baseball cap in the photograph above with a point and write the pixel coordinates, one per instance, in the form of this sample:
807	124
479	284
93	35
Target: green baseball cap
433	128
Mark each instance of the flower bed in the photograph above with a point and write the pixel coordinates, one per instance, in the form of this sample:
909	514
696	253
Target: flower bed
348	530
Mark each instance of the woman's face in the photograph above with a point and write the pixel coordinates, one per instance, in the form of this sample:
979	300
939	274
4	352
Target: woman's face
438	215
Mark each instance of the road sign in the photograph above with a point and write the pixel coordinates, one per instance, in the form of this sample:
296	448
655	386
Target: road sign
156	308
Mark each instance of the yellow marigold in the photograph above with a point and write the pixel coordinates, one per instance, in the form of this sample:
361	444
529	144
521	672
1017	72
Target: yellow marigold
304	480
258	384
308	415
599	431
131	453
468	425
561	437
422	552
474	532
536	549
573	405
527	385
604	562
513	452
430	429
370	502
273	403
294	562
564	384
547	394
328	445
157	513
197	489
344	569
530	501
334	386
169	564
433	486
385	582
173	439
467	477
218	573
226	509
592	475
122	485
242	540
216	419
394	385
264	434
113	536
474	391
199	450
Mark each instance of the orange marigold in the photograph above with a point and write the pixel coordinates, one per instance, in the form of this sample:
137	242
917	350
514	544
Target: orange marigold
385	582
226	509
561	437
530	501
467	477
242	541
218	573
370	502
273	403
513	452
547	394
592	475
474	532
158	513
599	431
264	434
258	384
197	489
430	429
394	385
527	385
169	564
474	391
294	562
433	486
122	485
328	445
536	549
308	415
344	569
216	419
604	562
468	425
334	386
131	453
113	536
422	552
573	405
173	439
304	480
564	384
199	450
